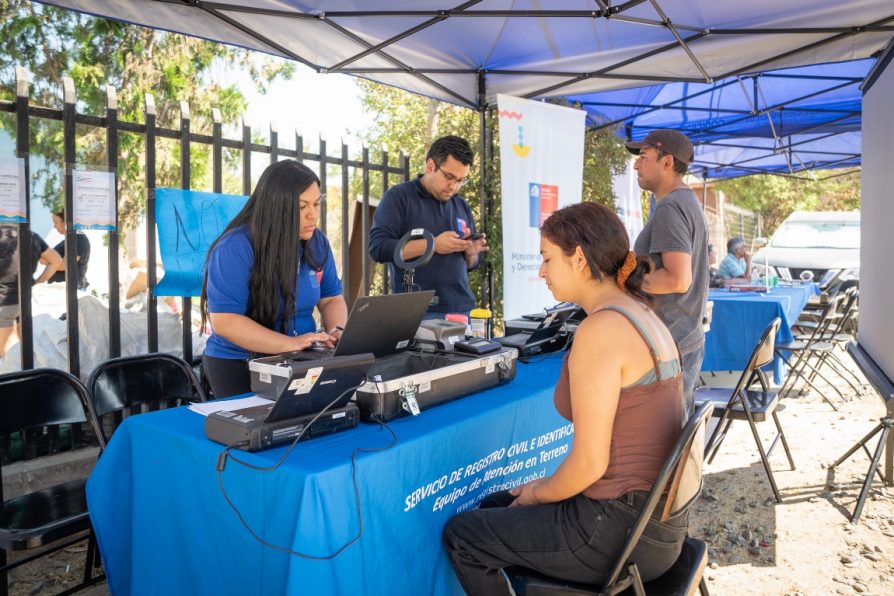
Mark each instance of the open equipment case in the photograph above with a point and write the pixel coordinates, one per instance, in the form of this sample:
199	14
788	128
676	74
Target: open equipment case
412	381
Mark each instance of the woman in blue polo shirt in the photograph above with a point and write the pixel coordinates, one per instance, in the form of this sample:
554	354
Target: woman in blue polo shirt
273	243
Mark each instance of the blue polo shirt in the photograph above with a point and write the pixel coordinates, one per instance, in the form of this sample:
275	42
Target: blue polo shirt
731	267
229	268
407	206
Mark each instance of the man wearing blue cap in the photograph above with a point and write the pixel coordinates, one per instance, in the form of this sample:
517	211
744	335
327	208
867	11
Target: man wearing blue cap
676	238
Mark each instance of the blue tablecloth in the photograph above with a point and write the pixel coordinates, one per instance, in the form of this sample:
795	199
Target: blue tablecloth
164	528
739	319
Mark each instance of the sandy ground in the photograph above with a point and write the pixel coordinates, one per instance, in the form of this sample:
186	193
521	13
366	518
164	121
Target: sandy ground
804	545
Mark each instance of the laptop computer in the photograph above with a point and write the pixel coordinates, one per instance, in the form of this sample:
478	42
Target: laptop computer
381	325
303	392
533	342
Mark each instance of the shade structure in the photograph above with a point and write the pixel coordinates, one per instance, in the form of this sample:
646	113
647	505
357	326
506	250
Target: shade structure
795	155
468	52
784	121
770	104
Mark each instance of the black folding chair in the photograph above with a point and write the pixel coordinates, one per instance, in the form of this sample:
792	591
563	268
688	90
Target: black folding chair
838	333
745	403
811	348
41	400
130	385
679	481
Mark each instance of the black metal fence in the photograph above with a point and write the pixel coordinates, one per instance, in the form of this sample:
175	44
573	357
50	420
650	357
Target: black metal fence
24	113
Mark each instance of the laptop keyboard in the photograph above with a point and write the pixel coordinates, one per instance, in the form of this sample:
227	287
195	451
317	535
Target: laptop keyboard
312	354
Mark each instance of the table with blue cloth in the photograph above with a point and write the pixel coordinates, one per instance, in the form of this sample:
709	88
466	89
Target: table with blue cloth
164	527
740	318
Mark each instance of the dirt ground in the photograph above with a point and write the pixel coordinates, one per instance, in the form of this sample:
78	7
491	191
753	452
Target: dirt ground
802	546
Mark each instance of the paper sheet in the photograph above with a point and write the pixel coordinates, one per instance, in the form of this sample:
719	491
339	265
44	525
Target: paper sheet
228	405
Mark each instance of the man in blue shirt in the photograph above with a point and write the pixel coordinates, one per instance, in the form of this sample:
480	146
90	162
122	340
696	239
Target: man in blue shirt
431	202
737	262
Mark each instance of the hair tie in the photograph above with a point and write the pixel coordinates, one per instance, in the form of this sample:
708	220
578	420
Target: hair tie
625	270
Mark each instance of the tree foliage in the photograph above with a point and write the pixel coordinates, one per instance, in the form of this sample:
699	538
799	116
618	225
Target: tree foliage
775	197
409	123
52	43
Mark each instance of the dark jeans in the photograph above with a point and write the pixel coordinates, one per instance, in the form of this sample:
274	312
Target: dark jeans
692	366
577	540
226	376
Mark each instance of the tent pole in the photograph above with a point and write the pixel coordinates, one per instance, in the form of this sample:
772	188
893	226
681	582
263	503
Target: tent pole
487	291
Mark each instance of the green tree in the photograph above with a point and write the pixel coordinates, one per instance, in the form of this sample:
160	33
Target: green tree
408	123
52	43
775	197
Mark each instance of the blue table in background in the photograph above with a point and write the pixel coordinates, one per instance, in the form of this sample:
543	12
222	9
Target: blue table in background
164	528
739	319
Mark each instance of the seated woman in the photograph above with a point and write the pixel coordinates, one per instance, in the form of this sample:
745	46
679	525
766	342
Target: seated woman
265	274
622	387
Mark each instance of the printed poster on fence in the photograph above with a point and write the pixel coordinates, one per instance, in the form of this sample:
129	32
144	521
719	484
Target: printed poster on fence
12	190
188	222
542	164
94	200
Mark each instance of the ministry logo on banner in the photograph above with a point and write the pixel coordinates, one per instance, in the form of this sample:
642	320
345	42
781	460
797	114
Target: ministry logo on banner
541	152
543	201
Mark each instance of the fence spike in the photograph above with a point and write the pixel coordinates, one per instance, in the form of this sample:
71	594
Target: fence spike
68	90
111	98
22	81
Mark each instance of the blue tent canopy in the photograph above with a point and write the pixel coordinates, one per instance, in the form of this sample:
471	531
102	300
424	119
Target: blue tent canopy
770	104
789	156
784	121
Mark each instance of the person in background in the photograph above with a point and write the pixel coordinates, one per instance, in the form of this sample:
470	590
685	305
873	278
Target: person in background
622	387
432	202
676	238
9	278
82	255
264	276
737	262
714	279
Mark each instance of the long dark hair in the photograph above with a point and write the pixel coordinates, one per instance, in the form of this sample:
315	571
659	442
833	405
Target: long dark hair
602	238
273	221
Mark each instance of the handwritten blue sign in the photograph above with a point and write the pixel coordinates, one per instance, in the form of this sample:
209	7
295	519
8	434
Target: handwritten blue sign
188	223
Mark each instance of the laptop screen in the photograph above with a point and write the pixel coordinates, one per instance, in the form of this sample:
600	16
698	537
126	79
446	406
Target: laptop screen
383	325
314	384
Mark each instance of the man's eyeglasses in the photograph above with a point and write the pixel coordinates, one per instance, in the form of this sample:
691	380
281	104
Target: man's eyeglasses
451	179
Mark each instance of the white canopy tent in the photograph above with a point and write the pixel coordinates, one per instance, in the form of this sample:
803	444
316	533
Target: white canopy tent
469	52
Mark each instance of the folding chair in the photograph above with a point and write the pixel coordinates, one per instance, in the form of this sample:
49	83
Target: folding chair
29	401
130	385
745	403
839	332
812	347
679	482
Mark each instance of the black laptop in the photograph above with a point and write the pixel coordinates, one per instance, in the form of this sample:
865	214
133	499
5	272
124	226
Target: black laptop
381	325
304	390
541	339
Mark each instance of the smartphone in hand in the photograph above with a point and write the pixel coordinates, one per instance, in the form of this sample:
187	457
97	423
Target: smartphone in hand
474	237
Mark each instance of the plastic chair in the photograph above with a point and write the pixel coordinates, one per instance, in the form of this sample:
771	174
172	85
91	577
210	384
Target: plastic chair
679	481
744	403
130	385
35	399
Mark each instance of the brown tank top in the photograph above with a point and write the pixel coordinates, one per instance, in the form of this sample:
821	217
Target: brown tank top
647	423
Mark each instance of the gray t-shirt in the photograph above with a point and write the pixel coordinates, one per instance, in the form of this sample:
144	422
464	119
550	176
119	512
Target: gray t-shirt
678	225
